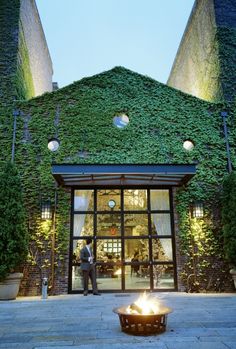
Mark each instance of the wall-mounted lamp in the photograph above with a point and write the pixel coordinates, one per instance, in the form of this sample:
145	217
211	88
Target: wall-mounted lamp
188	144
53	144
46	210
197	209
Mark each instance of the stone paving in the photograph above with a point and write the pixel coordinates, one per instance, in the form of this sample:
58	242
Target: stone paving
198	321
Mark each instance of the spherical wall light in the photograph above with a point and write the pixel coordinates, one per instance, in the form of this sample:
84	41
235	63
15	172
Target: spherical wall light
188	145
53	144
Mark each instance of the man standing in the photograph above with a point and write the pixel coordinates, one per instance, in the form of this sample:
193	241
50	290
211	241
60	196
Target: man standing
88	268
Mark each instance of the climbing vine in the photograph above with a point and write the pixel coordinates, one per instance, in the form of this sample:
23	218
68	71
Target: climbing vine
81	116
161	118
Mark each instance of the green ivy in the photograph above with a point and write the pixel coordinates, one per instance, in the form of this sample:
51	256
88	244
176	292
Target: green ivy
14	238
229	217
161	118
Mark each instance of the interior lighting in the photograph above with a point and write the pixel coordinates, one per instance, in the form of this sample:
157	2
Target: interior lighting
111	204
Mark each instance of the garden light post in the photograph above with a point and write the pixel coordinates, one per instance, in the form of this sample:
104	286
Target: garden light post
224	115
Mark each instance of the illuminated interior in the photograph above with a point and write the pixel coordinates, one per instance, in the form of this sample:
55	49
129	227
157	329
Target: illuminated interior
132	238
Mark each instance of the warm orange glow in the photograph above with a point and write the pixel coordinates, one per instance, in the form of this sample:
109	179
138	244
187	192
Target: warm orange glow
144	305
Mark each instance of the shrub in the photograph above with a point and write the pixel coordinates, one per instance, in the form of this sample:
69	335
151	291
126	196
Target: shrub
13	231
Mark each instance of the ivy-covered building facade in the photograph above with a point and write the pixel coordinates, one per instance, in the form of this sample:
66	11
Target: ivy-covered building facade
119	157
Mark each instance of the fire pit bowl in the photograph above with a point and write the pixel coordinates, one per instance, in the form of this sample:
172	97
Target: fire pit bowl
143	325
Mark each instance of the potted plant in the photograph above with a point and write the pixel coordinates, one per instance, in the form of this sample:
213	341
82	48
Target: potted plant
13	232
229	221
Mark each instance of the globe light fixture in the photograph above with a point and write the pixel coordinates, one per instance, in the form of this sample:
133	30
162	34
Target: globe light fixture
188	145
53	144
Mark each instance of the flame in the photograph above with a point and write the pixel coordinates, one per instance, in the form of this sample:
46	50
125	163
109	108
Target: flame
144	305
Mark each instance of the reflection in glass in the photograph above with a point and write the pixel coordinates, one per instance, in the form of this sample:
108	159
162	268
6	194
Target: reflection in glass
83	224
161	224
135	199
77	279
103	198
163	276
136	224
83	200
162	250
108	224
77	247
137	281
159	199
109	250
108	277
136	250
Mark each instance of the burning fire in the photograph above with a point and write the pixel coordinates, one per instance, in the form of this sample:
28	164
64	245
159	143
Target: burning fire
145	305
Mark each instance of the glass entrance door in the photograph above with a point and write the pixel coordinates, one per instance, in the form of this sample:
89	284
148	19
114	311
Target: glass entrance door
132	238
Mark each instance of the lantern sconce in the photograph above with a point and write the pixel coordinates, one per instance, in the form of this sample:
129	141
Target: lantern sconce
197	209
46	210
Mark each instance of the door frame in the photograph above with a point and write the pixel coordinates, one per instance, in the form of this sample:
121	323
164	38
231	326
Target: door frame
123	263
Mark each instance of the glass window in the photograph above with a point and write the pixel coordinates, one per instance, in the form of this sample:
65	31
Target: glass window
108	224
159	199
77	247
136	224
135	281
124	232
163	276
161	224
135	199
83	200
121	121
162	250
108	277
108	251
136	250
108	200
83	225
77	279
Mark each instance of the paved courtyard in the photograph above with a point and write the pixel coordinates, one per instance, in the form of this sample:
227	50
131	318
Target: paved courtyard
199	321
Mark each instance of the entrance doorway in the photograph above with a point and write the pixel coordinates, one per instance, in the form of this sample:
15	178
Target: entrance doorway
133	240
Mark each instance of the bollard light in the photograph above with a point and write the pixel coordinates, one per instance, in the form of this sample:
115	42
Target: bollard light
45	288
